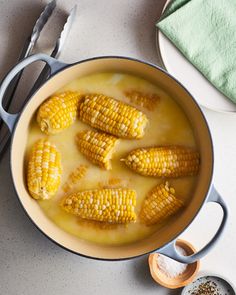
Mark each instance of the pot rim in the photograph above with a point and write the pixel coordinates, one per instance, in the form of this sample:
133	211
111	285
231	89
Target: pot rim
203	118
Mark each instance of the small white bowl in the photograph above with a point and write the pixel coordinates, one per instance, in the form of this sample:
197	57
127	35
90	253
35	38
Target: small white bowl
223	285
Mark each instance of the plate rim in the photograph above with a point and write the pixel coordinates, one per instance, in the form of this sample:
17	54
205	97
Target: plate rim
159	51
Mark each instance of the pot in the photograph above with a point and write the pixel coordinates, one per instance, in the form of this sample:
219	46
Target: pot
162	241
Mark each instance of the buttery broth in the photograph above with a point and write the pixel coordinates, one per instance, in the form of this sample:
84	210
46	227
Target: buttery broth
168	125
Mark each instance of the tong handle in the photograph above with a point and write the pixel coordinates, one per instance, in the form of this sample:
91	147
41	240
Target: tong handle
55	66
24	53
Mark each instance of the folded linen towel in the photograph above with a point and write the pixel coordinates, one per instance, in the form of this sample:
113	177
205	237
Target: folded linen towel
205	32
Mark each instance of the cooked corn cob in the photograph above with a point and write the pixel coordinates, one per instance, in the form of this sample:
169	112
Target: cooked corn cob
58	112
169	161
145	100
97	147
44	170
104	205
112	116
159	204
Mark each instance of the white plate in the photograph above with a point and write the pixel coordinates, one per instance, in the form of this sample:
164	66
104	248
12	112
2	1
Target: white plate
179	67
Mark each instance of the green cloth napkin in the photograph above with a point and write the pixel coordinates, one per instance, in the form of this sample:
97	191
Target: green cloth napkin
205	32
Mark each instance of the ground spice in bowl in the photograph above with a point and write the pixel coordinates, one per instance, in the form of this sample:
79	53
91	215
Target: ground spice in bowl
209	285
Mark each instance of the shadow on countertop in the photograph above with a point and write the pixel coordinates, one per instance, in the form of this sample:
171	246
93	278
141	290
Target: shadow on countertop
142	275
147	17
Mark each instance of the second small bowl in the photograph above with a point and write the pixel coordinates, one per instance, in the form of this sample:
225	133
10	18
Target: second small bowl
183	279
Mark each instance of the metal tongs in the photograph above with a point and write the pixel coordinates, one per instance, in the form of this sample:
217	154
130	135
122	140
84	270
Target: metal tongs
26	51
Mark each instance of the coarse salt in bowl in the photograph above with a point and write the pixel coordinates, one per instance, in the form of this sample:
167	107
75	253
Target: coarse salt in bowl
170	273
170	267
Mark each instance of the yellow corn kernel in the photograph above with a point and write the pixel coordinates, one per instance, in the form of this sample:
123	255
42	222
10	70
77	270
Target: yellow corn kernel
44	170
103	205
58	112
145	100
74	177
97	225
113	182
97	147
168	161
112	116
159	204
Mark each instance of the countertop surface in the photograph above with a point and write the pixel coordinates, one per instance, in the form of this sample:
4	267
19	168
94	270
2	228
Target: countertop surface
29	262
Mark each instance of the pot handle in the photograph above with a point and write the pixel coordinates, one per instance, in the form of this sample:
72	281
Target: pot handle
55	66
170	249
